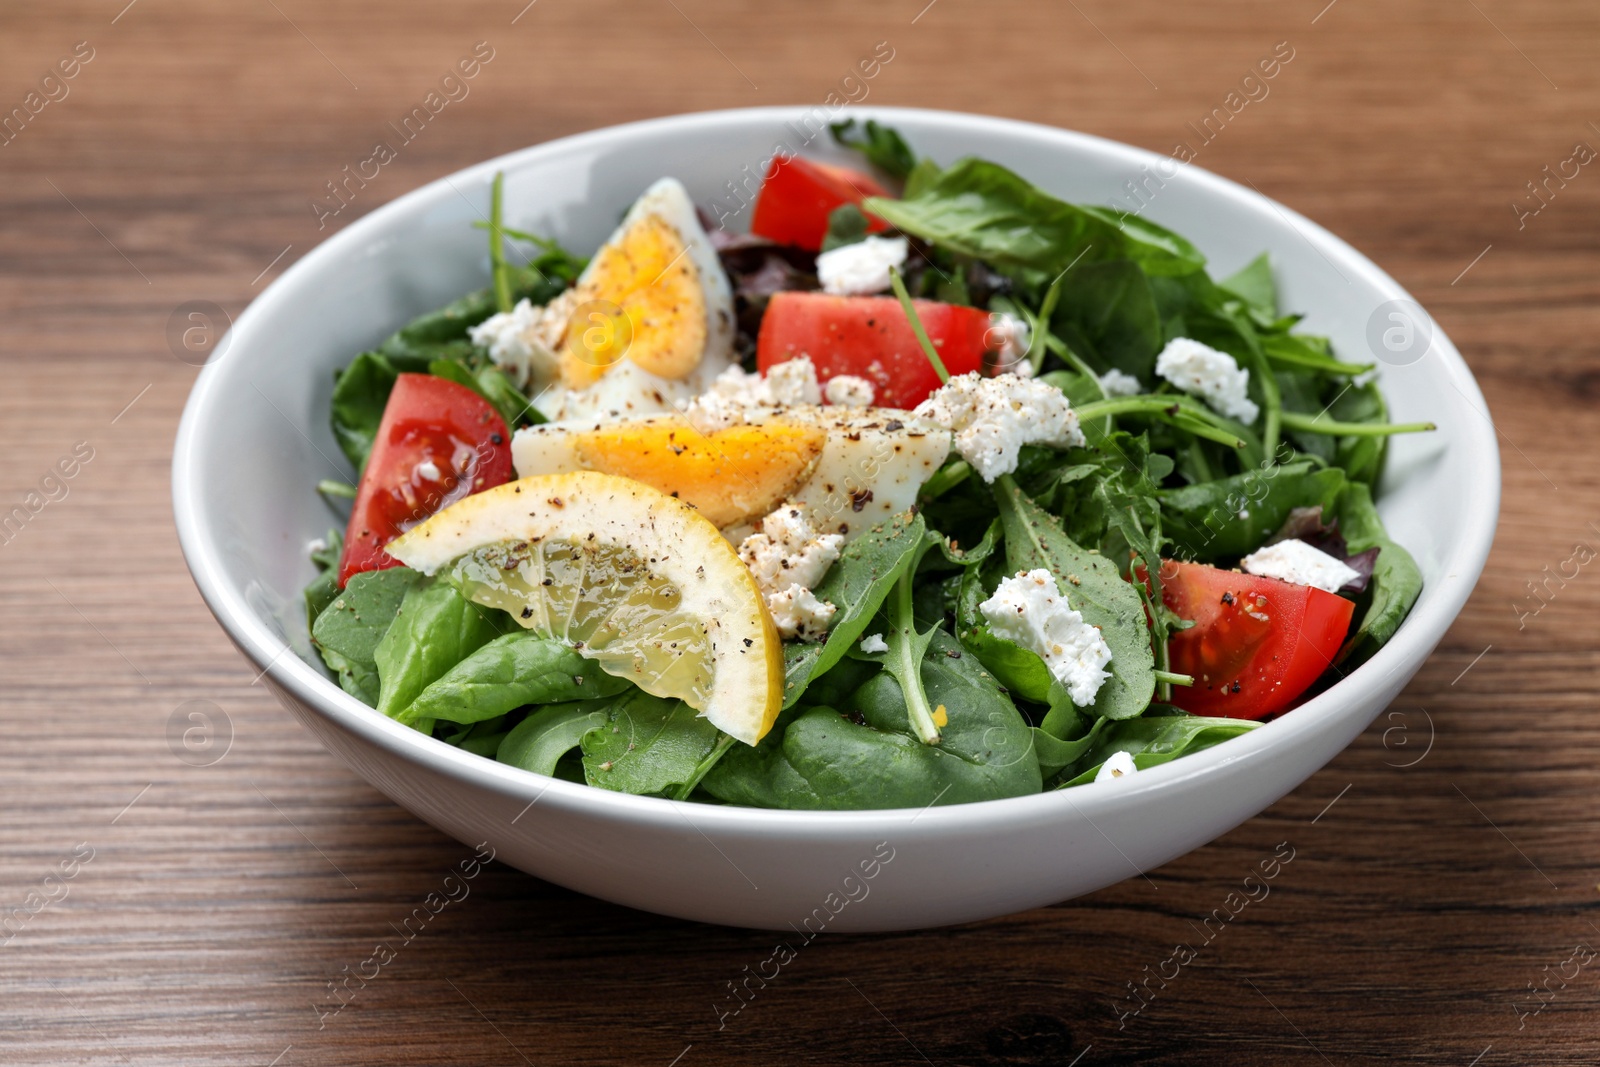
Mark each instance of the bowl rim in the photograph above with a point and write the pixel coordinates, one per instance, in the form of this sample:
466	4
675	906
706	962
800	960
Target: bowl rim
1431	616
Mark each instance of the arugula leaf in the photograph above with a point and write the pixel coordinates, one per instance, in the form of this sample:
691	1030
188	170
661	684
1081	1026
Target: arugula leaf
359	395
856	584
1396	581
1094	588
348	631
538	742
1153	740
1232	516
823	760
647	745
882	145
434	629
512	670
981	209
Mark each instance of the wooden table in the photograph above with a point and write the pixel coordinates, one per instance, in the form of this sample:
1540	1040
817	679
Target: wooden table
1443	866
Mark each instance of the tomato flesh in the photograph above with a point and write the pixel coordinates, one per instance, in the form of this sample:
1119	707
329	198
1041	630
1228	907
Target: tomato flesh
870	337
798	195
1256	644
437	442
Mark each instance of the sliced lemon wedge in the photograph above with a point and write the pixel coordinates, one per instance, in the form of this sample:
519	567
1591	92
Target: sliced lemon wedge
633	579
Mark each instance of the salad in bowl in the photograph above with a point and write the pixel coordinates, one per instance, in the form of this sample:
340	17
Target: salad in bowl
932	488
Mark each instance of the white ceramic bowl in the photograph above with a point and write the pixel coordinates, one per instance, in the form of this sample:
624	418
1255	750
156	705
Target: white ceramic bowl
255	439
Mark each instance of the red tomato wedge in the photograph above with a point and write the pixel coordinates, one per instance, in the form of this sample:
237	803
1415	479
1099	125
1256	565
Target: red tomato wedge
870	337
798	195
438	442
1256	644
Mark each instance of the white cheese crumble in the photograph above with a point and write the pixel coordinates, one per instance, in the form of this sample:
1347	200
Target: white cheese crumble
524	340
1029	611
798	613
788	557
1300	563
848	391
1116	383
874	643
1117	765
992	418
735	392
861	268
1212	376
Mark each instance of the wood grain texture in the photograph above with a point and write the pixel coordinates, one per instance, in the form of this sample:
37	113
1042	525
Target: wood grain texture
221	900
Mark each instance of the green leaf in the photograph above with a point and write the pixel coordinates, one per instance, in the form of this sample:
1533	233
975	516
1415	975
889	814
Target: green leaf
347	633
647	745
981	209
512	670
846	226
882	145
434	629
359	395
1107	311
856	585
1232	516
1094	588
1153	740
491	383
1396	581
922	177
823	760
324	588
1255	286
538	742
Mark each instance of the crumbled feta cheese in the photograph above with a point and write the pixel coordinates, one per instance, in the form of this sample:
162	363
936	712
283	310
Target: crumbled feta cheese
794	382
1211	375
315	545
1117	765
736	391
861	268
525	339
1030	611
848	391
1115	383
1300	563
1008	338
798	613
992	418
788	557
874	643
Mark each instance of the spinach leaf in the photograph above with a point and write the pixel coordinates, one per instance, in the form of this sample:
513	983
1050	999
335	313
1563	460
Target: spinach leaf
1107	311
538	742
434	629
981	209
442	334
823	760
882	145
1093	587
324	588
922	177
647	745
512	670
1152	740
1255	286
1361	457
347	633
359	395
491	383
1396	580
856	585
1232	516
